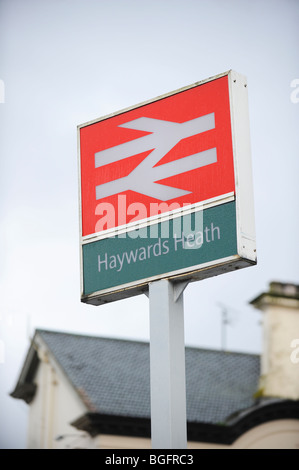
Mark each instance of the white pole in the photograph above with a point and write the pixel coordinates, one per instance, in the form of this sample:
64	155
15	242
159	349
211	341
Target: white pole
167	366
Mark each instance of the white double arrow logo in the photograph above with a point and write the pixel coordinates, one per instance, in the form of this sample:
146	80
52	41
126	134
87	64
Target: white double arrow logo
164	136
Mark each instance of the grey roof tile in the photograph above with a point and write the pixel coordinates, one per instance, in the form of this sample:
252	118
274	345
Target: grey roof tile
113	376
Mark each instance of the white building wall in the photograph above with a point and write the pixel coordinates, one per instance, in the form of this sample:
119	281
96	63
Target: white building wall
279	372
281	375
280	434
36	424
55	405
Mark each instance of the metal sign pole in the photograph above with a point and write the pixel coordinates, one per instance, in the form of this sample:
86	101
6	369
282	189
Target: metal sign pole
167	365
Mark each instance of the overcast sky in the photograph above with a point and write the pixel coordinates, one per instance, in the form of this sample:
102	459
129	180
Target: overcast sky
65	62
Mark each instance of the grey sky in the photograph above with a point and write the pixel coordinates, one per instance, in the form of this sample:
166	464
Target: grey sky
65	62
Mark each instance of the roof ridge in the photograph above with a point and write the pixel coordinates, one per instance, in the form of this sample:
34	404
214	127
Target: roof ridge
144	342
91	336
242	353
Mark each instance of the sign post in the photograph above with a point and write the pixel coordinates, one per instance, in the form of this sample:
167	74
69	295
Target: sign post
167	365
166	198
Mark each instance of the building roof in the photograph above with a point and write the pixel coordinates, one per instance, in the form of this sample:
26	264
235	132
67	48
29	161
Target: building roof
112	377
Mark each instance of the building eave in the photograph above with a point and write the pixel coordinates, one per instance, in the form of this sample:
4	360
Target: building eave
97	423
25	388
225	433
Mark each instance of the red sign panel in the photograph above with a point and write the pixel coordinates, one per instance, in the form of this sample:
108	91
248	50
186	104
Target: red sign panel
159	156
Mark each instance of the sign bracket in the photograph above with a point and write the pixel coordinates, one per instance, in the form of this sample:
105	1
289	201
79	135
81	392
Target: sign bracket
178	289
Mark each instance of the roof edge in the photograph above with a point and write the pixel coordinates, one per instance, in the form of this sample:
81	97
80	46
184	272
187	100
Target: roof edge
97	423
25	388
146	342
225	433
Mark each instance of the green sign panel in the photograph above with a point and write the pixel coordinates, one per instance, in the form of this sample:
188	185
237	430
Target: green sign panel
174	247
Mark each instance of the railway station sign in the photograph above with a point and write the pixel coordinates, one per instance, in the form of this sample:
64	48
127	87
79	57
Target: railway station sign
166	190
